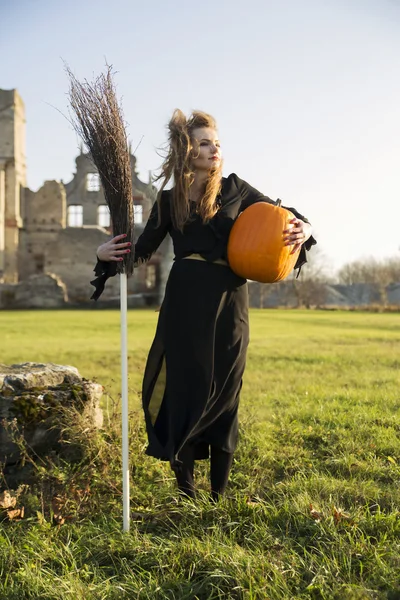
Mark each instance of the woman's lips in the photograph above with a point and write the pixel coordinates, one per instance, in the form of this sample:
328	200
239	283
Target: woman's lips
214	158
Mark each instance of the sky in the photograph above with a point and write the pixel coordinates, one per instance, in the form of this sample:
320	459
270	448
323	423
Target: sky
306	94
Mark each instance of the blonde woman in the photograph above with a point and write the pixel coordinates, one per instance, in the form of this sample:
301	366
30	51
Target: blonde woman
194	370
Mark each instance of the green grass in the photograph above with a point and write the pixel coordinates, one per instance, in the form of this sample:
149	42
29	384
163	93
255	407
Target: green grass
320	428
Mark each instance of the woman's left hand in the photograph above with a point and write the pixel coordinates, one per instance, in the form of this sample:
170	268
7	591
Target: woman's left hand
297	234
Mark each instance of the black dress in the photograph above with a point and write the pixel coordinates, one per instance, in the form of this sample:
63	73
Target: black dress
194	370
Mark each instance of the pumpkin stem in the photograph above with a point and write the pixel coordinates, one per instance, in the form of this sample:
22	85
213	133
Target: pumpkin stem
279	202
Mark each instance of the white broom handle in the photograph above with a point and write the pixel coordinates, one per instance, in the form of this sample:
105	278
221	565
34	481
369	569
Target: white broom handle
125	409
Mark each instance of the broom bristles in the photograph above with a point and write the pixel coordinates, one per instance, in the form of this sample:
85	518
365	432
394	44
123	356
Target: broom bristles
99	123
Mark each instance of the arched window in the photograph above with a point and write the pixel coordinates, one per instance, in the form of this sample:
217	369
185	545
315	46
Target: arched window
103	216
93	182
138	213
75	215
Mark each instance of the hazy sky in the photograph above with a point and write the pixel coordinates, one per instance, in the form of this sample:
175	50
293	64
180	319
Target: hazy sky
306	94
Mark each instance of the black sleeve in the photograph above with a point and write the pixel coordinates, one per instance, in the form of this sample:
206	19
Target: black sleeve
250	196
147	243
103	271
308	244
154	232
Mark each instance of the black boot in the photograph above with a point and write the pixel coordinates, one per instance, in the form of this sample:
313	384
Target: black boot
221	463
184	472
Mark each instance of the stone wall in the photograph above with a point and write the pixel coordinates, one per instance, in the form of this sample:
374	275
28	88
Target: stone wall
78	194
2	215
46	209
44	216
48	245
12	180
37	291
72	255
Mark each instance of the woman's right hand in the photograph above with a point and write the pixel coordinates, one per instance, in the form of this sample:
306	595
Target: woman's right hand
111	251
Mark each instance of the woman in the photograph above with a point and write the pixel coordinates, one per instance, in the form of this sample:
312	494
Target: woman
195	366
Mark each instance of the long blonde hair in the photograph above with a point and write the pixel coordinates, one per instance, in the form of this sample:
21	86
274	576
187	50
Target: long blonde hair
178	166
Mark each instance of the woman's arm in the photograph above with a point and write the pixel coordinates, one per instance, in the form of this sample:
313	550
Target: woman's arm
154	233
299	235
108	254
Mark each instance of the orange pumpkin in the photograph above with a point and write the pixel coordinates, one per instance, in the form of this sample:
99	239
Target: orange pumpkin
256	248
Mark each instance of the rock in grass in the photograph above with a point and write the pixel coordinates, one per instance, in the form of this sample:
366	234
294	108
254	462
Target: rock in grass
32	398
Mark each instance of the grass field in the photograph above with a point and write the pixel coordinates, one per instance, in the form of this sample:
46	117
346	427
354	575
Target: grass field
313	505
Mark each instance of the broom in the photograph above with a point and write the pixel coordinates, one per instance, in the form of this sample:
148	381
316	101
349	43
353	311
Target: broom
99	123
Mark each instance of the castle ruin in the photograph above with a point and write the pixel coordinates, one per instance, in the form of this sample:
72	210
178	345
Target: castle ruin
48	238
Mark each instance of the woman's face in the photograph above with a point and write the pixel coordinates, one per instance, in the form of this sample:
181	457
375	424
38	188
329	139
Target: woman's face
206	149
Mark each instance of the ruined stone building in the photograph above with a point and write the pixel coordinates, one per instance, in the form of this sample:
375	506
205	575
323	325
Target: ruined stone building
48	238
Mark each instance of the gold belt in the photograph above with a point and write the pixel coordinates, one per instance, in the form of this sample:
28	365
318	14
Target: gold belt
218	261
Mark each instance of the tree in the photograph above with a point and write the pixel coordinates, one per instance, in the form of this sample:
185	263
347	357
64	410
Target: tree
380	273
310	286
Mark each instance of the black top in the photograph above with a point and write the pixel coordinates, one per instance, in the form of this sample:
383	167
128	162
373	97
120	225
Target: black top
209	240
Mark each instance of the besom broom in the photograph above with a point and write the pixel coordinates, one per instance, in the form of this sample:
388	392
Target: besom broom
99	123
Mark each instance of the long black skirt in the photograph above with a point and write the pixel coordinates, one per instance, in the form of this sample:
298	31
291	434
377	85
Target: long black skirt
195	366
